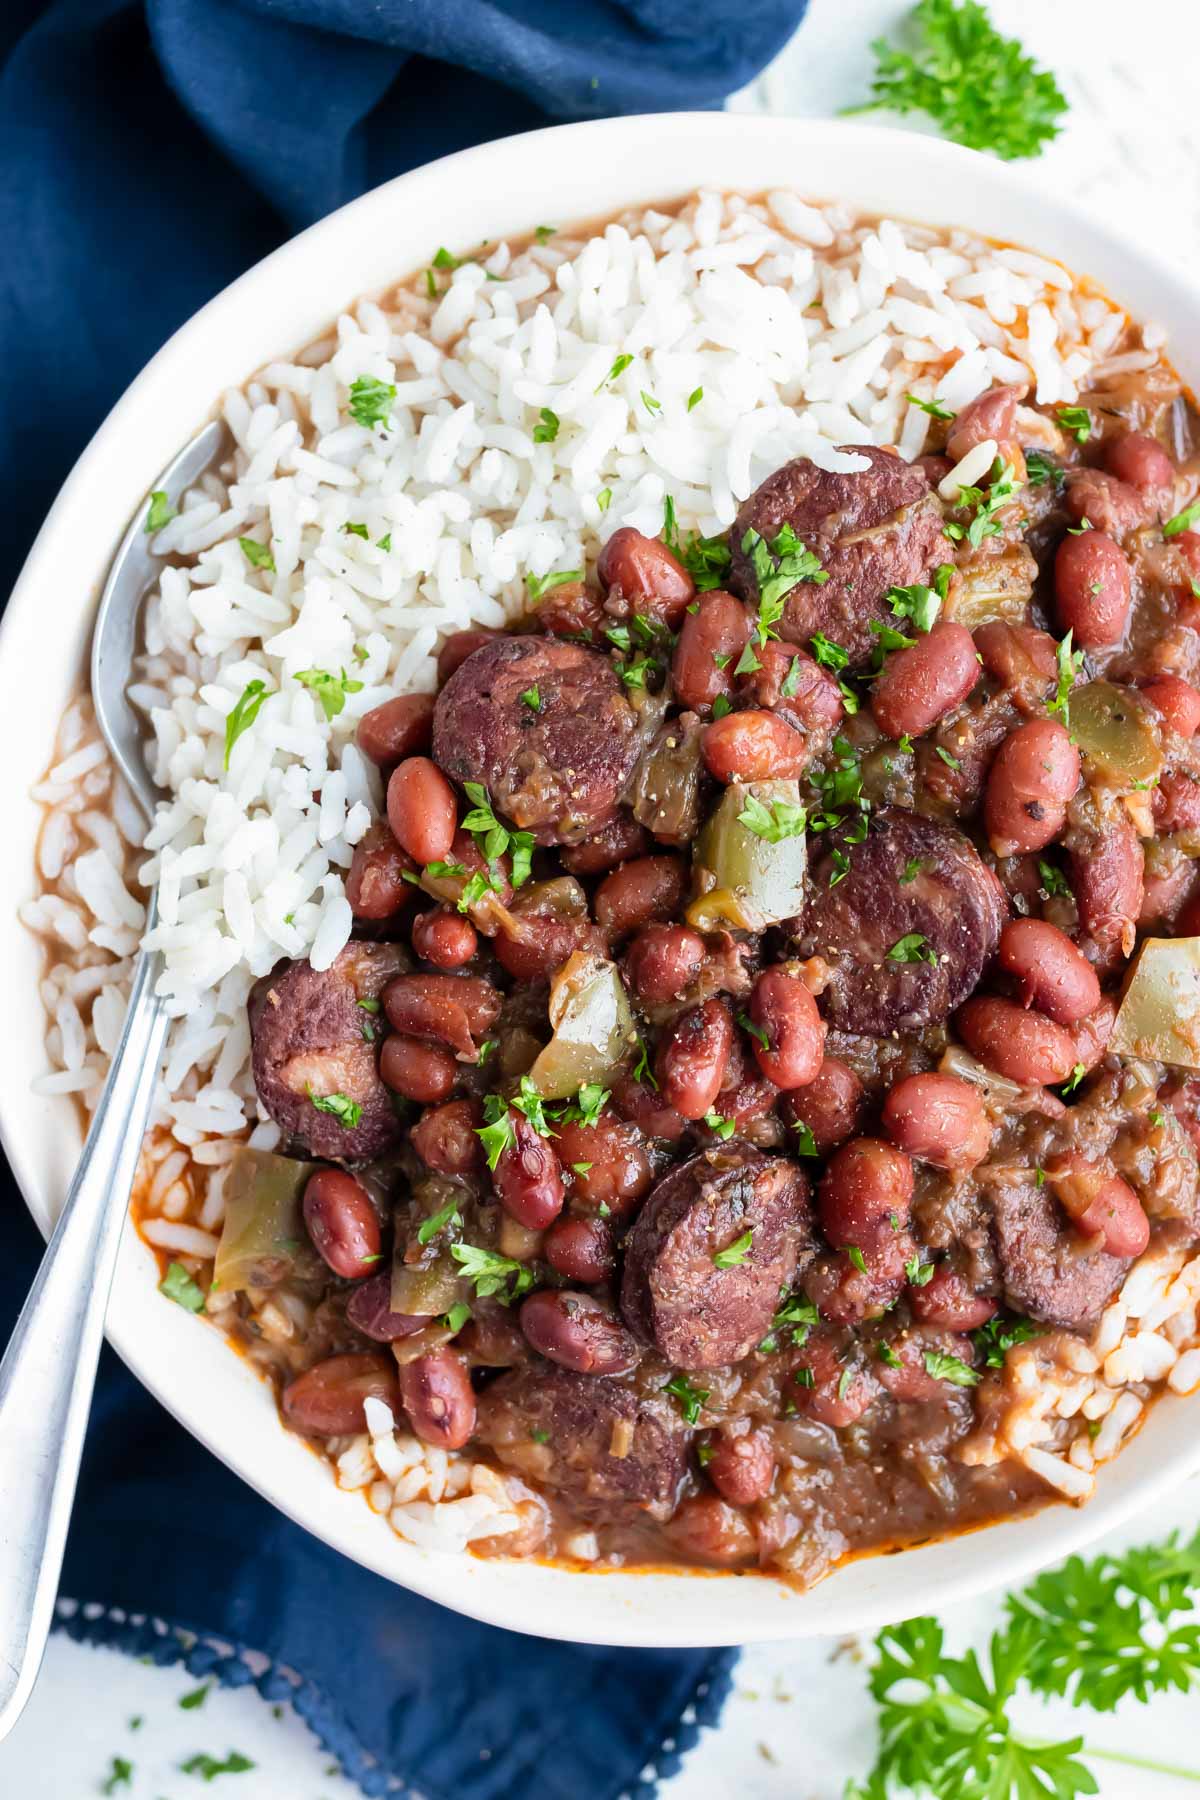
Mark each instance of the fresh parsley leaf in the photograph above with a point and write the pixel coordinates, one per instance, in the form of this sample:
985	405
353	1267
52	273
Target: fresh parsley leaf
721	706
651	405
371	401
1070	662
456	1318
1053	880
780	567
1077	420
806	1143
604	499
689	1399
984	505
856	1258
756	1031
347	1112
446	1215
493	839
1182	521
913	947
694	398
793	1319
888	1356
916	1272
950	761
790	685
546	429
243	713
980	88
774	822
542	584
827	653
724	1128
620	364
933	407
953	1369
532	698
736	1253
120	1775
161	512
1041	469
919	603
747	663
197	1697
258	555
587	1105
209	1767
1076	1076
499	1134
994	1339
641	1068
542	232
355	528
912	869
178	1285
529	1100
494	1276
330	689
444	260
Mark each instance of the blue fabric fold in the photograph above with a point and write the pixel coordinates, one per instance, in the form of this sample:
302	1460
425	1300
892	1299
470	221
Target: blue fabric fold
148	155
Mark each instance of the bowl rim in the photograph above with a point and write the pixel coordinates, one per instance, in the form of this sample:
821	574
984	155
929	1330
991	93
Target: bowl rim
161	1345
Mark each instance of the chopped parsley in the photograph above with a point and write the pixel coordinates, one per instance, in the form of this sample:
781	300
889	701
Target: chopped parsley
1077	420
827	653
912	869
330	689
499	1134
944	1367
774	822
1183	521
456	1318
494	1276
705	559
347	1112
1070	662
888	1356
721	706
243	713
587	1106
197	1697
257	555
493	839
161	511
604	499
689	1399
736	1253
641	1068
355	528
542	232
429	1228
540	1435
529	1101
1054	881
178	1286
913	947
756	1031
694	398
933	407
917	1273
546	429
790	684
780	567
806	1143
383	543
950	761
804	1377
724	1128
542	584
371	401
856	1258
120	1775
444	260
793	1320
1000	1333
919	603
1073	1080
1041	469
984	522
651	405
209	1767
620	364
532	699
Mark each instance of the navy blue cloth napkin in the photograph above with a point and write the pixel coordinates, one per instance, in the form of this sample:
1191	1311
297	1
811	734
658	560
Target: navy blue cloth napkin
149	154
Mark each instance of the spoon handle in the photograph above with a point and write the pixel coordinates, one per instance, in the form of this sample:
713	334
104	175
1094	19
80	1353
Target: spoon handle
49	1368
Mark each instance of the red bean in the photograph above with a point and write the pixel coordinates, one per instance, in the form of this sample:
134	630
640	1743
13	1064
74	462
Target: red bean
1109	883
342	1223
692	1057
711	641
327	1400
528	1177
1051	973
742	1469
938	1119
1096	499
789	682
706	1528
1176	803
1022	659
456	649
457	1010
644	1107
608	1161
389	733
753	746
1091	1035
663	961
1140	460
837	1392
369	1310
831	1105
783	1008
866	1182
647	574
436	1393
1100	1203
1022	1045
375	884
578	1331
421	1072
1177	700
421	809
446	1138
921	685
990	415
946	1299
1165	890
544	933
1091	589
572	610
1035	773
581	1249
445	939
614	843
653	887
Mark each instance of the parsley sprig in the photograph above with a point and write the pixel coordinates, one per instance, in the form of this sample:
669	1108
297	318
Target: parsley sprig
493	839
984	506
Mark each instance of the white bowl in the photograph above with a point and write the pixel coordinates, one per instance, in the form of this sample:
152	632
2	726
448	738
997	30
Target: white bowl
571	173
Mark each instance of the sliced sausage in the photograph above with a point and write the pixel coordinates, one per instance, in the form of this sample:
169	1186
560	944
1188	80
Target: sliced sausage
912	879
554	763
702	1313
871	530
1048	1270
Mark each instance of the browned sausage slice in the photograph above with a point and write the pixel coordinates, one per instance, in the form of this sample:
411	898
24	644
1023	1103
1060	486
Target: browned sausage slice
915	890
878	528
701	1312
307	1039
1047	1270
597	1440
545	727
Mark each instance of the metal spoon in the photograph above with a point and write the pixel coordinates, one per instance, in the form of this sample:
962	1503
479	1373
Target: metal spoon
49	1368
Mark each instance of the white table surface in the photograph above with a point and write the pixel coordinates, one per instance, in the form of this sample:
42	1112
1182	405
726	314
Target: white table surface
798	1723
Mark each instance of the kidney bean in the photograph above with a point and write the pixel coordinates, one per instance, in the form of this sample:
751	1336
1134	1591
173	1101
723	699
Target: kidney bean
457	1010
936	467
1034	774
616	842
644	1107
1108	505
456	649
912	1381
921	685
663	961
652	887
327	1400
831	1398
741	1468
947	1299
445	939
528	1178
938	1119
645	572
1022	659
581	1249
1091	589
1166	888
711	640
782	1007
369	1310
342	1223
1176	803
866	1183
421	1072
831	1105
692	1056
708	1529
1100	1203
992	414
753	746
1177	700
389	733
812	701
578	1331
1022	1045
421	809
543	937
572	610
608	1161
1139	460
436	1393
1091	1035
375	884
1051	973
1109	883
445	1138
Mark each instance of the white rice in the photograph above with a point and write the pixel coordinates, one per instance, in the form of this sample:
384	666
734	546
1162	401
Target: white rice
801	328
